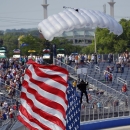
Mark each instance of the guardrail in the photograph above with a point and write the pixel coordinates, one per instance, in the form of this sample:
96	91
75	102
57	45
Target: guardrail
106	88
102	109
69	68
121	80
97	83
112	104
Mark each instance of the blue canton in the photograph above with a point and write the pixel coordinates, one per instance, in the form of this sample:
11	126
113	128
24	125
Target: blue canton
73	110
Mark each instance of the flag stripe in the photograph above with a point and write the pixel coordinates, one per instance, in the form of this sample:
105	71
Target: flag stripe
54	73
57	78
55	69
52	112
33	121
46	89
46	120
27	124
41	94
41	110
48	81
40	85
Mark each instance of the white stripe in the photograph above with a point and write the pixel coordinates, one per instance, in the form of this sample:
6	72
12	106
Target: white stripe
52	72
49	124
48	81
46	94
41	106
29	122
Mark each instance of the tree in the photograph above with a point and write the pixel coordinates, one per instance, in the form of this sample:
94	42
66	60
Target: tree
33	43
108	42
120	46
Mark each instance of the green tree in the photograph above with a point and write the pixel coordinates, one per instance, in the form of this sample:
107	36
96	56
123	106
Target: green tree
108	42
33	43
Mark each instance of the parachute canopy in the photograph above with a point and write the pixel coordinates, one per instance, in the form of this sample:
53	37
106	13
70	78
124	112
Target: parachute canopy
71	19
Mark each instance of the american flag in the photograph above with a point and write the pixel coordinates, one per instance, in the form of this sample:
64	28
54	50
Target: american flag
43	97
48	101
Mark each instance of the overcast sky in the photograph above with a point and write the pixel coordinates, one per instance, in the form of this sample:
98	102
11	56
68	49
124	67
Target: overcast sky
17	14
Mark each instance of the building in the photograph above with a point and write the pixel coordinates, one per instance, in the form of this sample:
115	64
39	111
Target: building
83	36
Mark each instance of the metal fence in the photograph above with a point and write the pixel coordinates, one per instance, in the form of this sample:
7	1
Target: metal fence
108	90
100	108
108	104
104	57
73	74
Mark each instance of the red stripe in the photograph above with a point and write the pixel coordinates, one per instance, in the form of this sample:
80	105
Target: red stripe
41	113
55	77
52	67
31	118
47	87
25	123
44	100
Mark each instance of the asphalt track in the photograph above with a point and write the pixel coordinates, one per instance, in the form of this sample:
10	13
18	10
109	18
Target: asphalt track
119	128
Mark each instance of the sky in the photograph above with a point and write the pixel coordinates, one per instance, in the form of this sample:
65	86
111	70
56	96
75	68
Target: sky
17	14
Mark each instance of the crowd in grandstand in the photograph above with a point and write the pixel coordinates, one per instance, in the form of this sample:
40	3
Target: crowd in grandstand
79	58
12	73
11	78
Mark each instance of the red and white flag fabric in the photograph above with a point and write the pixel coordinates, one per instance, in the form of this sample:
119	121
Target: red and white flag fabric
43	97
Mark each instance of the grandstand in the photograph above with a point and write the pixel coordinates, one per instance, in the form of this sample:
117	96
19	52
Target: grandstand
113	102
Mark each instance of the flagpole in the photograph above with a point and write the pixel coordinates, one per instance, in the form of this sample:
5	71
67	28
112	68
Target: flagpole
54	54
95	48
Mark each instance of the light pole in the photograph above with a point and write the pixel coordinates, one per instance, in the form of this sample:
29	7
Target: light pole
54	53
95	43
95	55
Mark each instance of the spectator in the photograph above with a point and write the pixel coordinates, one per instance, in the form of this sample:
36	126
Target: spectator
99	106
110	77
122	67
11	114
118	66
74	83
106	76
4	116
124	88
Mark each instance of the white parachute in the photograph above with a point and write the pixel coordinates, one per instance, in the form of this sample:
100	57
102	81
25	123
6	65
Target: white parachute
71	19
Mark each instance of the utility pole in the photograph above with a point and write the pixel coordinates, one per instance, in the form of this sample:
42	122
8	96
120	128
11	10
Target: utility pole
45	8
